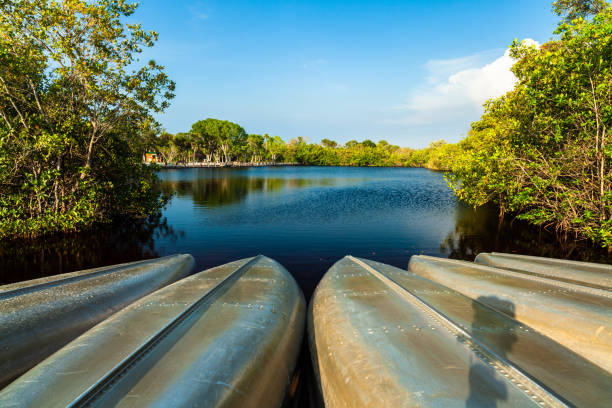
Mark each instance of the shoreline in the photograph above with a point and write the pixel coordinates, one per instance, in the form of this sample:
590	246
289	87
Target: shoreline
222	165
241	164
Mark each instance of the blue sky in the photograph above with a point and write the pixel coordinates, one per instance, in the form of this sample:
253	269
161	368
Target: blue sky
407	72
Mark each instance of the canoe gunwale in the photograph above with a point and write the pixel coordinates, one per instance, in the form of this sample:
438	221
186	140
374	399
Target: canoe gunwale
573	287
597	276
549	261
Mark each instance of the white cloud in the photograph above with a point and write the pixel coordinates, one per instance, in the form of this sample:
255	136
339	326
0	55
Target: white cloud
462	92
440	69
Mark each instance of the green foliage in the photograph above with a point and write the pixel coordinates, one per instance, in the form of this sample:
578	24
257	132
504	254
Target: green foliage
484	166
437	156
573	9
274	147
74	116
220	138
543	150
329	143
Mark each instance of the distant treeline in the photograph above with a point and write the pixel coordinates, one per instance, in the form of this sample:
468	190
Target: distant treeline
220	141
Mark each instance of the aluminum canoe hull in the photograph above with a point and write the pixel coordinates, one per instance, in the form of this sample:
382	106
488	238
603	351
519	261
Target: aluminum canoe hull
225	337
383	337
39	316
582	273
576	316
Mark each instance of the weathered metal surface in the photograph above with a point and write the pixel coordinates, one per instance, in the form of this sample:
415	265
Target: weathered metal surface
383	337
576	316
228	336
40	316
583	273
572	377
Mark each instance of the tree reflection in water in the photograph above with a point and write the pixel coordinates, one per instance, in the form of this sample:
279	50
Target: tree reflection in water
480	230
231	189
118	243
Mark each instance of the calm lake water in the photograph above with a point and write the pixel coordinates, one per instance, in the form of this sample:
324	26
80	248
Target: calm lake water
304	217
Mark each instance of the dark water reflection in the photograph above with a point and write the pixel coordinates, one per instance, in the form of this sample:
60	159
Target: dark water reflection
480	230
305	217
125	242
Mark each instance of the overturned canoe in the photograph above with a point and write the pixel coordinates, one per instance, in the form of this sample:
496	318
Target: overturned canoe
228	336
578	317
40	316
582	273
383	337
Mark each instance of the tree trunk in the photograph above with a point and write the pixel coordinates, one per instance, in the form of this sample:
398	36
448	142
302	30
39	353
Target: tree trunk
89	159
56	183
